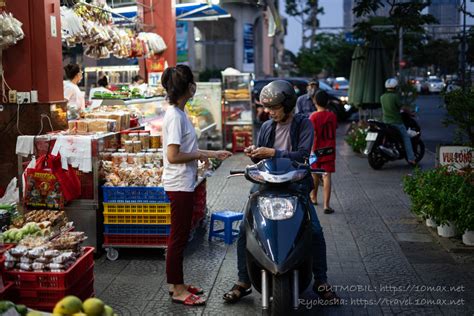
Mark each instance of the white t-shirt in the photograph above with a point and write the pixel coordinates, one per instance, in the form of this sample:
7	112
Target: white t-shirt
178	130
74	95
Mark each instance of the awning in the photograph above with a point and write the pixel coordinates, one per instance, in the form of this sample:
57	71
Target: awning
200	12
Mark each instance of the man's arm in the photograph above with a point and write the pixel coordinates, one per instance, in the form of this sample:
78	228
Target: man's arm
305	143
298	104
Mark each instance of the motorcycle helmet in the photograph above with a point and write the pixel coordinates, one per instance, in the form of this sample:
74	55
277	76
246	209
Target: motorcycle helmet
279	92
391	83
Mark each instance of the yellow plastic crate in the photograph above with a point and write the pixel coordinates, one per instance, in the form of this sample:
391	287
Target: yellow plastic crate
137	208
151	219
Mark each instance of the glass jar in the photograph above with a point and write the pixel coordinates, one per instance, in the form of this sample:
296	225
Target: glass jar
137	146
149	157
134	136
145	139
129	146
155	141
141	159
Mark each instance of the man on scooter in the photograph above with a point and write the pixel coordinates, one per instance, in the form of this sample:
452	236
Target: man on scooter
285	135
391	107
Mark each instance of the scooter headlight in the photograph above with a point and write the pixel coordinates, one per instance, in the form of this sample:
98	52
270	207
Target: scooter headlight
277	208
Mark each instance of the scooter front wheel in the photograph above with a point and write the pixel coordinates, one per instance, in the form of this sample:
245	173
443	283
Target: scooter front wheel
281	293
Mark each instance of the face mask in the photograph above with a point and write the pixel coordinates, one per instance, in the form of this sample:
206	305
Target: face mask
310	91
297	91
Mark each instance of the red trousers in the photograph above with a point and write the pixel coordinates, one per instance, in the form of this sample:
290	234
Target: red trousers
182	204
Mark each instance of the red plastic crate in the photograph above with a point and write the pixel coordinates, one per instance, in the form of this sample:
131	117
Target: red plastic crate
135	240
6	247
5	293
56	280
45	300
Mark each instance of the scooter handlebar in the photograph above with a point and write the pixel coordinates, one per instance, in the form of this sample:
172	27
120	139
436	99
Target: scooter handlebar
234	172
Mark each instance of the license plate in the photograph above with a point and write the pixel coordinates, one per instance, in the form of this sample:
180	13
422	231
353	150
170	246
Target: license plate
371	137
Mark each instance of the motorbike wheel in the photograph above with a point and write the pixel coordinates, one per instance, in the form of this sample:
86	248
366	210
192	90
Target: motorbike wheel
281	293
375	158
419	151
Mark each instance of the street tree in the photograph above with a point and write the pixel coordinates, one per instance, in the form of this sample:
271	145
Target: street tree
306	13
406	16
331	54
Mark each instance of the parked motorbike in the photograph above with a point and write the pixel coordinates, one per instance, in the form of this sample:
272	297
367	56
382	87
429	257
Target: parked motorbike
384	142
279	231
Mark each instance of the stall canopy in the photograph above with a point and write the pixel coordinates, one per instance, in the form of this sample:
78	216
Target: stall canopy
184	12
200	12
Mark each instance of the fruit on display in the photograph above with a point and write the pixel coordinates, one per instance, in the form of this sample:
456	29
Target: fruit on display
6	306
72	306
14	235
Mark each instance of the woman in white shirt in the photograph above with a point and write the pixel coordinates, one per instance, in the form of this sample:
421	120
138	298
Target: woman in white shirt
75	98
180	156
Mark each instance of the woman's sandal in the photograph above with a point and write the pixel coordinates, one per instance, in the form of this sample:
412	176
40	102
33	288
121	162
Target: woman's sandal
328	210
190	300
325	292
191	289
236	293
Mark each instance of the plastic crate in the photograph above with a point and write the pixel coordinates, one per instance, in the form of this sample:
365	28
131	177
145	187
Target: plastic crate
45	300
6	292
53	280
137	219
135	240
137	208
137	229
135	195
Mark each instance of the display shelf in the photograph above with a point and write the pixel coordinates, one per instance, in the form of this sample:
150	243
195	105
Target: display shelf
240	123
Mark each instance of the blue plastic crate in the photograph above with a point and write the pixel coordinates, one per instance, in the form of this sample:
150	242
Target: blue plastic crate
137	229
135	195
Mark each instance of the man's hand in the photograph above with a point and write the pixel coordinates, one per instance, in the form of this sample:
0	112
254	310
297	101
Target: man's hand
263	152
248	150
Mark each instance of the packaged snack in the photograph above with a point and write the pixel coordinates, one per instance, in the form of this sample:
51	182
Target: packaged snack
51	253
19	251
38	266
25	266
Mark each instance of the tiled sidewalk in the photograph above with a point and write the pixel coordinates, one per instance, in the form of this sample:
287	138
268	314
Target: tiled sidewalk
381	258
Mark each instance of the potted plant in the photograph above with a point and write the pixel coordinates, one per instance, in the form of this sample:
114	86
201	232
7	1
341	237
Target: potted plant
356	135
465	221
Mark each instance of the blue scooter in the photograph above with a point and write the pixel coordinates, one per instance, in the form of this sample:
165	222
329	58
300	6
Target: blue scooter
279	232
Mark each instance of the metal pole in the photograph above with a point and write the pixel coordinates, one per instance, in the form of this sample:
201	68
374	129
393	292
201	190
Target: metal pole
265	294
400	53
463	48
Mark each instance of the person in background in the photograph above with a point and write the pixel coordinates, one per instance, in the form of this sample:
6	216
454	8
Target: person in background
102	86
304	104
391	107
137	80
74	96
180	156
324	124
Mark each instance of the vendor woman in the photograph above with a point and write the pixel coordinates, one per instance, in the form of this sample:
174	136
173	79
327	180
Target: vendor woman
75	98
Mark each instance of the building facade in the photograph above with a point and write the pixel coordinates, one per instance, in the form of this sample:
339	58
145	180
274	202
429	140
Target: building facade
448	16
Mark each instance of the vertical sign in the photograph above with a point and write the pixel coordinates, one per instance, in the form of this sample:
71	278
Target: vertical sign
249	65
182	41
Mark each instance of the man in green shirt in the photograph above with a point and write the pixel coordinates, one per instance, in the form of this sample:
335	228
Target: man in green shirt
391	107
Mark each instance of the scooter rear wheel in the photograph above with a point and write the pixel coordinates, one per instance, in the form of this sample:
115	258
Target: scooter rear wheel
419	151
281	293
376	159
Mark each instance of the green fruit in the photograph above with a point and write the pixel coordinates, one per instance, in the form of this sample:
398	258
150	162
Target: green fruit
108	311
21	309
93	307
5	305
34	313
68	305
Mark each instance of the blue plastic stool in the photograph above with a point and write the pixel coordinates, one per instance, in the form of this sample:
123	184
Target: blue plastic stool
228	233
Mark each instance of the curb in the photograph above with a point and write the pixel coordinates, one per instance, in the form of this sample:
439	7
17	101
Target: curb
453	245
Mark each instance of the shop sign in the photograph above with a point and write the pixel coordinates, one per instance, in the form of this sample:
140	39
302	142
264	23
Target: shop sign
249	63
155	64
456	157
154	79
182	42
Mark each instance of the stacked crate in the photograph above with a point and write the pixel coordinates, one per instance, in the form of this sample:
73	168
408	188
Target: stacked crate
135	217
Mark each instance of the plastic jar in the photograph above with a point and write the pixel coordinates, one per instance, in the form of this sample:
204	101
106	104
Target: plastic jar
141	159
137	146
129	146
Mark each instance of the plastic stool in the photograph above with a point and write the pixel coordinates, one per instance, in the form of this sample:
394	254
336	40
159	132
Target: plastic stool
228	233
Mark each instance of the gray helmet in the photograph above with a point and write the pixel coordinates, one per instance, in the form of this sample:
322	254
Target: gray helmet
279	92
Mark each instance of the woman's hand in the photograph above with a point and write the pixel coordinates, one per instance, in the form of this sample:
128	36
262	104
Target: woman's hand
263	152
222	154
248	150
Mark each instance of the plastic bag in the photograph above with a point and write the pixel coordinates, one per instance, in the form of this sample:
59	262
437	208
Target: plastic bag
11	195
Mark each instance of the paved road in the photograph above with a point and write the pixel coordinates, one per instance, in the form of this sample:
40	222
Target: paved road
382	258
431	115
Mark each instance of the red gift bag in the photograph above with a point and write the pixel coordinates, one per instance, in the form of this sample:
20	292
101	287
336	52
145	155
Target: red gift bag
50	186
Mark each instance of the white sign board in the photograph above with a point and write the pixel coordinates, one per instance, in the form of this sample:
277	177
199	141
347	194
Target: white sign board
456	157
